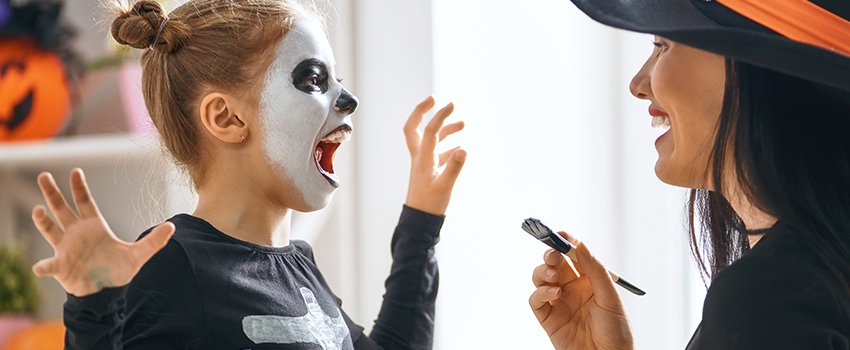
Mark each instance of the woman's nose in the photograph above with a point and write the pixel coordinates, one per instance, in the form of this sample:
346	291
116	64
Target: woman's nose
640	85
346	103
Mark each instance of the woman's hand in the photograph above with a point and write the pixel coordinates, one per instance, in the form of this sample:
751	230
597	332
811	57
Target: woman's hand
579	311
430	189
87	255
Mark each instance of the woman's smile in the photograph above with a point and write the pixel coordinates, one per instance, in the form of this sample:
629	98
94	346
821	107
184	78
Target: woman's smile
685	86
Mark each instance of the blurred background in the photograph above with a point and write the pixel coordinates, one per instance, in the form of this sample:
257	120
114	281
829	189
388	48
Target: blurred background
551	130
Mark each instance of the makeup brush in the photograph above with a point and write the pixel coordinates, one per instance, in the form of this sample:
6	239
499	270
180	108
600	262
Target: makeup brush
540	231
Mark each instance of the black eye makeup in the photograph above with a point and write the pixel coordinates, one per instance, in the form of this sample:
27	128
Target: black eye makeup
660	44
311	76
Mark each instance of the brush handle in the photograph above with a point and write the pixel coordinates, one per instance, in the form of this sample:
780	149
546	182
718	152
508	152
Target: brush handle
560	244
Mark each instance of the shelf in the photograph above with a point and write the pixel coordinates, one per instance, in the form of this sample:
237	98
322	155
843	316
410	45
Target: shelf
78	149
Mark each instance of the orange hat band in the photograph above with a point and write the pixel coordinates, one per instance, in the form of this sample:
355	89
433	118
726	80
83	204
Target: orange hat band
798	20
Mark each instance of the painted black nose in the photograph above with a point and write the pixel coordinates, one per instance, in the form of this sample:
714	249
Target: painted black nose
346	103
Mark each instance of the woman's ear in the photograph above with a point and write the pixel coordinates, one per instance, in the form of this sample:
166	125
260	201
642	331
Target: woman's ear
220	114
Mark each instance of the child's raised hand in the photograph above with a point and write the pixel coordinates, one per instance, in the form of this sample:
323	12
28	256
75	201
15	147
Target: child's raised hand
430	188
87	255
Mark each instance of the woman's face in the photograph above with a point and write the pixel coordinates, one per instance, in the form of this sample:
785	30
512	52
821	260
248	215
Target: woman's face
305	114
685	86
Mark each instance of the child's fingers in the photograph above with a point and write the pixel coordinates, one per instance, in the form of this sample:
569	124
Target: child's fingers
453	167
51	232
45	267
146	247
55	200
411	128
450	129
444	157
429	137
82	195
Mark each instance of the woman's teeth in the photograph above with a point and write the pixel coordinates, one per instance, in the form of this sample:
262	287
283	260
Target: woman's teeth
661	122
338	136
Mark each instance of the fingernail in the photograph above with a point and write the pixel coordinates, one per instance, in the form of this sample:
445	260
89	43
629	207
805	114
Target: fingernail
550	272
552	290
460	155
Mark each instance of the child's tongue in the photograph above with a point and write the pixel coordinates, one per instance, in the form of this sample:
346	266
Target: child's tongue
325	156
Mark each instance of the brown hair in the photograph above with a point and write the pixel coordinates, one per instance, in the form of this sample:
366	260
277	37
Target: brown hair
205	45
795	171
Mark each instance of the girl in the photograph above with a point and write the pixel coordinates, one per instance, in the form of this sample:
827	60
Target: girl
756	95
245	98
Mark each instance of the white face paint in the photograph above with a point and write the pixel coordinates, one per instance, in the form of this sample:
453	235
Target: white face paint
305	113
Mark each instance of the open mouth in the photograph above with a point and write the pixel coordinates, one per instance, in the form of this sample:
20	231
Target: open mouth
661	122
324	152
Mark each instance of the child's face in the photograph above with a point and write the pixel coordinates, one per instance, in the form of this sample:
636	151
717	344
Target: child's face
304	114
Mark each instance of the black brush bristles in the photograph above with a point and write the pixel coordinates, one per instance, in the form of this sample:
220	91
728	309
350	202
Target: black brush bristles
543	233
536	228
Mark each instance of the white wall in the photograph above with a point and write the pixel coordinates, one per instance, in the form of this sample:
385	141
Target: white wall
552	132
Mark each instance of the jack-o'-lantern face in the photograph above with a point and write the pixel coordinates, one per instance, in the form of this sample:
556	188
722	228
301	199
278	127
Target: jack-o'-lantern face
33	91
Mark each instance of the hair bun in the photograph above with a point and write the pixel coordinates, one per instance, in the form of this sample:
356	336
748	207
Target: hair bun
145	23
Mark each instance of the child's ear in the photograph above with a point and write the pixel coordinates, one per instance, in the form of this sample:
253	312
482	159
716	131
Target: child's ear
220	114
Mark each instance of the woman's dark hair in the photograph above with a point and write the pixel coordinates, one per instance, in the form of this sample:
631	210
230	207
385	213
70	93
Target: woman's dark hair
789	146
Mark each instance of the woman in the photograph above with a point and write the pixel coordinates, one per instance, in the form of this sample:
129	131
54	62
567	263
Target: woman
756	94
245	98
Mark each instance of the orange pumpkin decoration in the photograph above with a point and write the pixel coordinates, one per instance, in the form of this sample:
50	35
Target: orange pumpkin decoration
40	336
34	97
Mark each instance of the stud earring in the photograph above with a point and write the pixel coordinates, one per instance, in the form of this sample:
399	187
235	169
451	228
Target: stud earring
243	138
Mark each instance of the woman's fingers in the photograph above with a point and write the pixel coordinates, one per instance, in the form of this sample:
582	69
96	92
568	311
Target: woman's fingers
51	232
411	128
146	247
575	242
55	200
82	196
555	261
603	287
541	300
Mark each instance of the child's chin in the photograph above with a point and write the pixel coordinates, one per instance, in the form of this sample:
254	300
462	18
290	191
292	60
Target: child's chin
315	201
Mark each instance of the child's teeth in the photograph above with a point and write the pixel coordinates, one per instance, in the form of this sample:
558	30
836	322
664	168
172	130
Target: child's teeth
338	136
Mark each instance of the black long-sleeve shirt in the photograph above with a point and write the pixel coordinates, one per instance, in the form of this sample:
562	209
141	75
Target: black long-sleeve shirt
208	290
779	295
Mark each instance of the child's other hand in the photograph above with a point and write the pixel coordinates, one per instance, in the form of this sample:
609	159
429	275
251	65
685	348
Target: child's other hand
87	255
430	188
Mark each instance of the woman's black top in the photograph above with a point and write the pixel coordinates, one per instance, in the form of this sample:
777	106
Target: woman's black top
779	295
